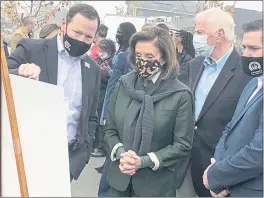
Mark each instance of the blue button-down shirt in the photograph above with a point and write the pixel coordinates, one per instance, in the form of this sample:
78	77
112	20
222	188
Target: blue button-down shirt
70	78
207	80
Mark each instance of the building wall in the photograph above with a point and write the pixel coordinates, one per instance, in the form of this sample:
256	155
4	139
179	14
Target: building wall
149	13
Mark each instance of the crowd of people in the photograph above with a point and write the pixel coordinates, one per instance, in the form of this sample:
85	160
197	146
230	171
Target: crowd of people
174	113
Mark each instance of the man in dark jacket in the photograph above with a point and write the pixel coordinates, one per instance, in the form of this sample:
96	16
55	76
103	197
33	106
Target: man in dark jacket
59	61
217	80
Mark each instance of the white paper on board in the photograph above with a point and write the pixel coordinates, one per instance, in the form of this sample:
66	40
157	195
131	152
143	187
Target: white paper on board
41	116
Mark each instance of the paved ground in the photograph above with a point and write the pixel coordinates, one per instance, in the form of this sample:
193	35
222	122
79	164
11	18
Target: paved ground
88	182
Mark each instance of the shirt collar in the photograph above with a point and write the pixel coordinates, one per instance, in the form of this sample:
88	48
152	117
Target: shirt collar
60	45
209	62
155	77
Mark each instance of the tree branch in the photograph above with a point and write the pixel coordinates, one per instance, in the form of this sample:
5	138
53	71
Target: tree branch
40	4
16	13
31	7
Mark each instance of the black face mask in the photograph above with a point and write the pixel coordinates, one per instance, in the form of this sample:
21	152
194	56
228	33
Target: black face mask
120	39
75	47
252	66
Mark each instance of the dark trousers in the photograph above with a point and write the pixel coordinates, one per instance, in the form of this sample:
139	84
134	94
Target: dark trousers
99	138
70	148
104	188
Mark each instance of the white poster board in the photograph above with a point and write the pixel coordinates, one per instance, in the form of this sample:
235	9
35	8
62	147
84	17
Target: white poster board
113	21
40	112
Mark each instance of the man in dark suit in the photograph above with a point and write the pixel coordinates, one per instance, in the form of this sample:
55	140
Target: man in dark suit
121	67
238	164
217	80
59	61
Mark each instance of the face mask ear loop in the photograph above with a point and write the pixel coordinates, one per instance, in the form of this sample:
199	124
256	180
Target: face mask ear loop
66	28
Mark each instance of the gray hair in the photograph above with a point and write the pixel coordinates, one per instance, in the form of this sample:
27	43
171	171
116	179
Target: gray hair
48	29
219	19
162	40
28	20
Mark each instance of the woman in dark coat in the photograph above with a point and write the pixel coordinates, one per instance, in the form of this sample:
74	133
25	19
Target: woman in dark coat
106	53
149	126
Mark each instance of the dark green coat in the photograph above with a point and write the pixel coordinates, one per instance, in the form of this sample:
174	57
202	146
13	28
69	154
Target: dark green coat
171	142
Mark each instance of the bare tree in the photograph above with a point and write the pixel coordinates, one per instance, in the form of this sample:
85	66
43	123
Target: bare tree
203	5
15	11
129	11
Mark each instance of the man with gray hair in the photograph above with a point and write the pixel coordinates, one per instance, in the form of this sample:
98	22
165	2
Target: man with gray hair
25	31
216	78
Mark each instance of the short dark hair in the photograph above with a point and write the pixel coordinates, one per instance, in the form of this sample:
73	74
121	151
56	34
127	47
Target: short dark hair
27	20
108	46
253	26
48	29
163	41
163	26
85	10
102	31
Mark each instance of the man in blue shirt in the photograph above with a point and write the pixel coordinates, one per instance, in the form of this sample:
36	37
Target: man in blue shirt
217	80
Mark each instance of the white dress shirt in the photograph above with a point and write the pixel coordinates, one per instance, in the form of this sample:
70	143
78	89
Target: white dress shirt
70	78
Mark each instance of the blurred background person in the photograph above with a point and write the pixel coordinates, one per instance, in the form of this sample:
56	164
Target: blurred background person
121	66
163	26
25	31
184	46
101	34
149	154
49	31
146	25
107	50
123	34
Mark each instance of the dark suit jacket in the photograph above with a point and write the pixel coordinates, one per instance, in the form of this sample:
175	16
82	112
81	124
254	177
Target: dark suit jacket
216	112
121	67
239	153
44	53
171	141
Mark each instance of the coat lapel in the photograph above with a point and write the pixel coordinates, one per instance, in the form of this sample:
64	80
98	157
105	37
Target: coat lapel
247	106
248	92
51	52
195	73
223	78
85	83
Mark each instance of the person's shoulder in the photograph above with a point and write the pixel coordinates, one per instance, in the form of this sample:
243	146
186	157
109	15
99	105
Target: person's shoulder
252	83
196	60
178	85
28	42
17	32
31	43
123	54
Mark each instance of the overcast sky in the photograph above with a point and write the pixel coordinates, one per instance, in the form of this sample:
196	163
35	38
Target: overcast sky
108	7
